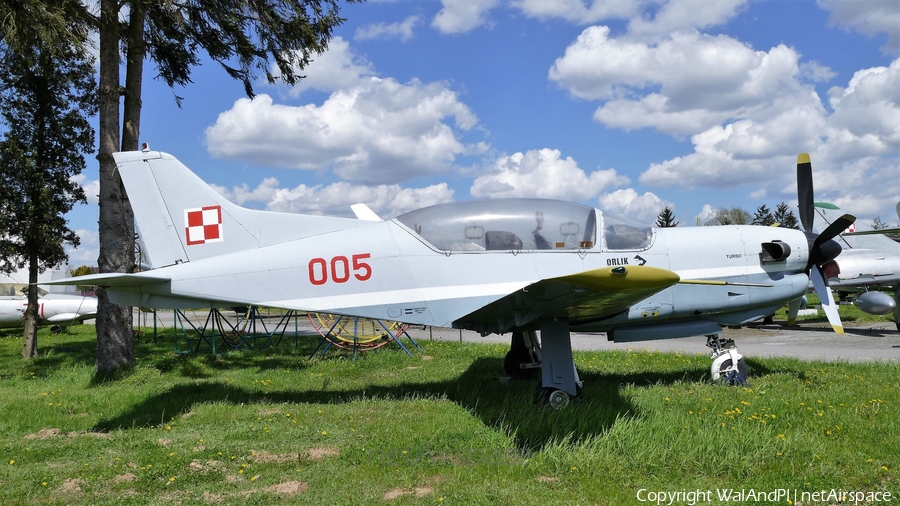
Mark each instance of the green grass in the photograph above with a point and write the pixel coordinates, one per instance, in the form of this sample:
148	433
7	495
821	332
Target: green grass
269	426
849	313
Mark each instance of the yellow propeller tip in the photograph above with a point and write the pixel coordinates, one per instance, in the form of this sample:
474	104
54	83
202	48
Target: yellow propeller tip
803	158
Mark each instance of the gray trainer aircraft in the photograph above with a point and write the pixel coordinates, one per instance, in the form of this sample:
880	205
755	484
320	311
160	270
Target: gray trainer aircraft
497	266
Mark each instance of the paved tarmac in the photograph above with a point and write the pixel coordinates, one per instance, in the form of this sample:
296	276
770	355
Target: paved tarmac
806	341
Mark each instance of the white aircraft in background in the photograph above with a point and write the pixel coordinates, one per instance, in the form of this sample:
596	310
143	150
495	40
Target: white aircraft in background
53	309
494	266
870	261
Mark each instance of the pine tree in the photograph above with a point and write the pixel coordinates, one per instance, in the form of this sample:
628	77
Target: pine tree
666	218
786	217
47	92
763	217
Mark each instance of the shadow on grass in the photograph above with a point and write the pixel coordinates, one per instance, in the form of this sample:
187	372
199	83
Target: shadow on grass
507	407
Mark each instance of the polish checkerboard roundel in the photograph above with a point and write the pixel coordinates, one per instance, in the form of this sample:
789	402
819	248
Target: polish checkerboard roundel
203	225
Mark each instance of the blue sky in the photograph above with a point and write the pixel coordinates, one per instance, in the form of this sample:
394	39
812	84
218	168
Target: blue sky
626	105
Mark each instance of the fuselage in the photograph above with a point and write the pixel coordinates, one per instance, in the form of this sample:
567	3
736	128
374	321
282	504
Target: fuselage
52	310
398	270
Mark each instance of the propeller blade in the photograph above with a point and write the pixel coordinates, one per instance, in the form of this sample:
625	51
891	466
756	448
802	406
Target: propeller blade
793	310
836	227
805	191
827	299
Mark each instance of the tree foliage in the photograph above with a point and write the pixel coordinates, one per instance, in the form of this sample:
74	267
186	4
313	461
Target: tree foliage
82	270
47	92
243	36
733	216
666	218
763	216
785	217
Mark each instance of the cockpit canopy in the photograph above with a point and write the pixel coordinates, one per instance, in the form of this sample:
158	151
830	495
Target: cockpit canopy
521	224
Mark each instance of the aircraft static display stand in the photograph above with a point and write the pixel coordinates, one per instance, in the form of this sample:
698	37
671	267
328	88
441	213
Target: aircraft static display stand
357	334
495	266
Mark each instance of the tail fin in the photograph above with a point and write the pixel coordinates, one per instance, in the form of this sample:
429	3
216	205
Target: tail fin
181	218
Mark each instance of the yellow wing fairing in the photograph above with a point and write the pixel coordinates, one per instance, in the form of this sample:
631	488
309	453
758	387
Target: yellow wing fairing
623	278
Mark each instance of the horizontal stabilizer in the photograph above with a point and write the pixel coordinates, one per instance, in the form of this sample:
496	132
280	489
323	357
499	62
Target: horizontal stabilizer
111	279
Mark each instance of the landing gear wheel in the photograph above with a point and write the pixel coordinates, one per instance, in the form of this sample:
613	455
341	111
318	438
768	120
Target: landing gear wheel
553	397
726	374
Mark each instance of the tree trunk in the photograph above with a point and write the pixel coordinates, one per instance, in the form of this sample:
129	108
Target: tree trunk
29	349
134	72
115	347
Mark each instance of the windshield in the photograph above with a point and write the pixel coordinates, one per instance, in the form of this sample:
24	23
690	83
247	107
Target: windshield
621	234
505	224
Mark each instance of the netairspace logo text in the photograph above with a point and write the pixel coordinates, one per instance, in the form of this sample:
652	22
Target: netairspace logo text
779	495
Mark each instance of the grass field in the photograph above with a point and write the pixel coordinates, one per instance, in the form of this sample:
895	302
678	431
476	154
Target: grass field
269	426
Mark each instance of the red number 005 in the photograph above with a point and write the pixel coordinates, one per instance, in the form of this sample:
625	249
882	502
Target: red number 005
340	269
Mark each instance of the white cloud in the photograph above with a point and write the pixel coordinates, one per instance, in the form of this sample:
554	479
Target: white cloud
543	173
869	17
645	85
91	188
677	15
575	11
335	69
852	147
707	213
403	30
647	19
335	199
88	251
867	111
460	16
628	204
370	129
815	72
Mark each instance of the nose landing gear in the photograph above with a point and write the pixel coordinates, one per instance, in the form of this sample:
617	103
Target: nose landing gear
728	365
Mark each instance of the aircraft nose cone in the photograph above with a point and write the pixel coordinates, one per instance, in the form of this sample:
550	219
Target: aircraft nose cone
830	250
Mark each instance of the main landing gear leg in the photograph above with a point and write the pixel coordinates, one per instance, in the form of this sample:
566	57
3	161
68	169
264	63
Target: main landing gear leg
523	360
897	307
728	366
559	379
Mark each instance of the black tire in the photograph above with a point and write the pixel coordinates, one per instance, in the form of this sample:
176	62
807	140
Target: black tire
743	370
513	361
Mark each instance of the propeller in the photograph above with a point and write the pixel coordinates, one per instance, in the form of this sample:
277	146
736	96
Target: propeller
822	247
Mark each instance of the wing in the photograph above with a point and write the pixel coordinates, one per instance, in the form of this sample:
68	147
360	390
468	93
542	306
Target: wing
582	297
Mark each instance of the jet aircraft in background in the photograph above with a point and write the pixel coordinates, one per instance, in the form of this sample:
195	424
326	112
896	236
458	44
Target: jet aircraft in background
870	261
53	309
514	266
